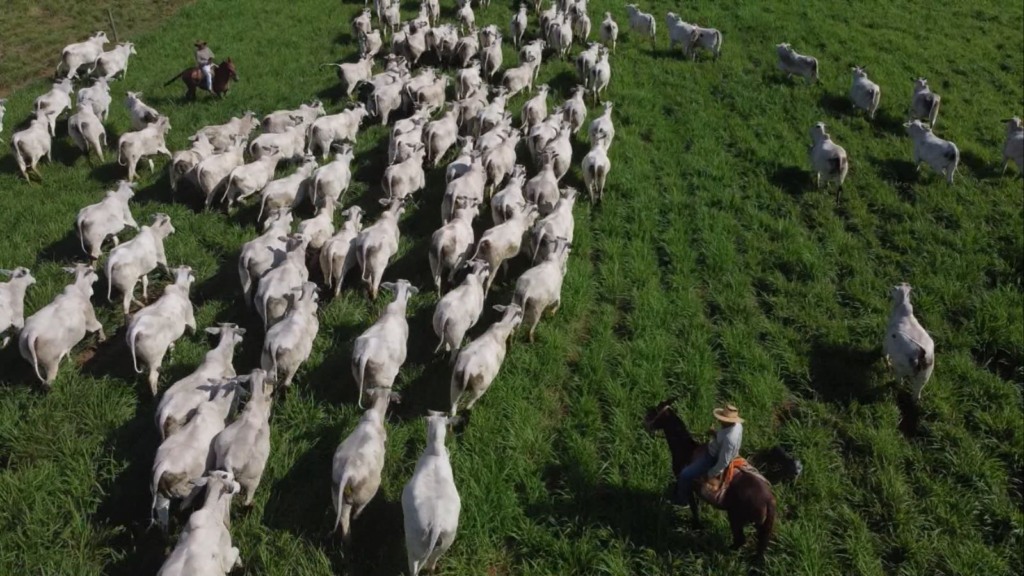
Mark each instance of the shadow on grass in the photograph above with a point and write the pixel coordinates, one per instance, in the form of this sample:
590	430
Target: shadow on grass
910	414
790	179
67	250
979	167
835	105
841	373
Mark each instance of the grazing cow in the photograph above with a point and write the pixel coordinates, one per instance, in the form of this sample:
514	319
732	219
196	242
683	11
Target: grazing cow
264	252
96	222
224	137
180	401
332	179
908	348
204	546
98	97
924	103
140	113
288	192
376	244
212	172
30	145
279	281
289	342
358	463
1013	147
504	242
136	258
596	166
328	130
430	502
337	255
244	446
87	131
75	56
641	22
792	62
134	146
828	159
379	352
183	457
609	31
281	120
153	330
558	224
12	302
864	93
480	361
114	62
706	39
53	103
942	155
460	309
49	335
540	288
450	245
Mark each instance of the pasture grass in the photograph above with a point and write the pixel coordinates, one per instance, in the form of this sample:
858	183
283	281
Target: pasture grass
712	271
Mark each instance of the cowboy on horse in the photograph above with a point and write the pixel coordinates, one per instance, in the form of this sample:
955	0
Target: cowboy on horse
204	59
719	454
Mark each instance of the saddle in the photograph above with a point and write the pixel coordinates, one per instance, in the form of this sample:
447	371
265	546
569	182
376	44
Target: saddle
713	490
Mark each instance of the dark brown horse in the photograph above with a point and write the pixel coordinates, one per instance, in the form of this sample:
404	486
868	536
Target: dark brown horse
223	74
748	499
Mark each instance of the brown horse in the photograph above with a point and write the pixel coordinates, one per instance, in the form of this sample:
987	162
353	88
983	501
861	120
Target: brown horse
223	74
747	500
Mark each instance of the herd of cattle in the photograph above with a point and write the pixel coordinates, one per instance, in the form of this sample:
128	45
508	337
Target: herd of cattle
202	444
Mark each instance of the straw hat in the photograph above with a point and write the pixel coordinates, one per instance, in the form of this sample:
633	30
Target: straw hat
200	44
730	414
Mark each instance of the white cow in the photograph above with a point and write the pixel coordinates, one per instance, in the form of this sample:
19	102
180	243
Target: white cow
281	120
376	244
542	189
707	39
225	136
134	146
276	283
31	144
140	113
828	159
358	463
183	457
79	54
248	179
908	348
517	26
184	162
864	93
136	258
351	74
504	242
204	546
460	309
641	22
332	179
942	155
98	97
49	335
244	446
96	222
87	131
3	110
1013	147
924	103
212	172
289	342
379	352
509	200
792	62
341	127
12	302
596	166
535	109
114	62
451	244
602	129
51	104
480	361
540	288
559	224
288	192
440	135
609	31
337	255
430	502
290	144
264	252
153	330
180	401
321	226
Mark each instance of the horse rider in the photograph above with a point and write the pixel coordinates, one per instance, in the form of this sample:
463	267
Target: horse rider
720	452
204	59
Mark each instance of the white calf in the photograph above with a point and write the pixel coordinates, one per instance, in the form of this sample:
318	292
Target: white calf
864	93
908	348
828	159
942	155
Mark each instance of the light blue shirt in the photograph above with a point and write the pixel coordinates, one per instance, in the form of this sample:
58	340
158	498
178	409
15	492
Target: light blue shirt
725	447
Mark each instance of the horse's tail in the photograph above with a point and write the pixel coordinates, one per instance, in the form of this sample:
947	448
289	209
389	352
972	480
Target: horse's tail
179	75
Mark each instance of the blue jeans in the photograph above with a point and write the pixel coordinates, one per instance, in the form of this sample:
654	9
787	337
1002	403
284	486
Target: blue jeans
684	486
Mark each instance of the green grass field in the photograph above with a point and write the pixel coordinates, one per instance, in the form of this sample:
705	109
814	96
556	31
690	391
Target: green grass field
712	271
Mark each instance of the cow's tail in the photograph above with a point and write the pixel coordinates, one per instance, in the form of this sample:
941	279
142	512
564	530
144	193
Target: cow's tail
538	241
444	328
133	337
876	97
120	153
361	377
437	257
81	235
35	357
933	114
814	69
718	43
110	280
362	256
263	205
342	486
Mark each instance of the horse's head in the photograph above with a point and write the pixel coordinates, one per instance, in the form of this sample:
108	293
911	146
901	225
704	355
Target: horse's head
229	65
657	416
